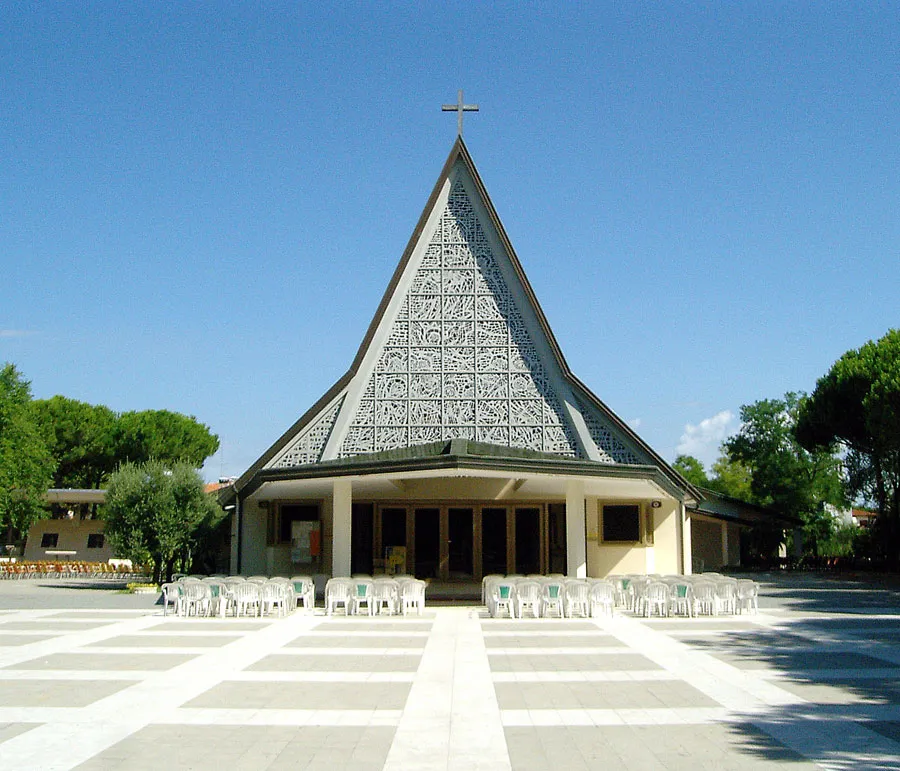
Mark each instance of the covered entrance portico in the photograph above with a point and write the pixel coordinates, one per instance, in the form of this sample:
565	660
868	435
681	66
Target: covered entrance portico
460	510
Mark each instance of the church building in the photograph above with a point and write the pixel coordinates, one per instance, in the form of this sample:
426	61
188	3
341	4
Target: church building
459	443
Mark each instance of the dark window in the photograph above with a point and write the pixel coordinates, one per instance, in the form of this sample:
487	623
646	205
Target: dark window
49	540
294	512
622	523
95	541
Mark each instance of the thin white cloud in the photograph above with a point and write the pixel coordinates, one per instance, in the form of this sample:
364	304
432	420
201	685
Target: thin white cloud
16	332
703	440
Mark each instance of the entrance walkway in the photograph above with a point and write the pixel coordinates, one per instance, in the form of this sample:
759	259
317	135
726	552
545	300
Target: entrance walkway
797	685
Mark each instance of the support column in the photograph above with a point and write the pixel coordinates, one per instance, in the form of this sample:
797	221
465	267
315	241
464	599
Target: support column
576	545
687	555
341	517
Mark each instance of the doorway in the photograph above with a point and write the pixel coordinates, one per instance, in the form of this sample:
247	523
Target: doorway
493	541
427	543
528	540
460	527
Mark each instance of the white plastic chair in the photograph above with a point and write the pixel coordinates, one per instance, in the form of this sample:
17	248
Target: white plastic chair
656	599
246	598
386	596
681	598
304	591
485	589
747	596
553	595
704	598
172	594
412	596
337	594
602	596
726	596
197	599
528	597
503	597
274	595
577	599
362	592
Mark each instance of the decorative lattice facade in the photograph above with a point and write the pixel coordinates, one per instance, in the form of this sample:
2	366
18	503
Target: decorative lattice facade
459	361
611	448
308	446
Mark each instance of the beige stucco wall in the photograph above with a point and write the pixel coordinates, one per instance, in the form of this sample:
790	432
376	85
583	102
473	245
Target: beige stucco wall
73	536
666	538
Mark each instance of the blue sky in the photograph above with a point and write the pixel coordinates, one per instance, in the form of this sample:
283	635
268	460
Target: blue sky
202	204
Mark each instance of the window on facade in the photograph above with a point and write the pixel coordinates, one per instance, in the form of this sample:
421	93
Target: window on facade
288	513
621	523
49	540
95	541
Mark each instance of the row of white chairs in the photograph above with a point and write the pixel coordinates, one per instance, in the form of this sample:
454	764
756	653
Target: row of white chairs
547	596
237	595
709	594
383	595
690	596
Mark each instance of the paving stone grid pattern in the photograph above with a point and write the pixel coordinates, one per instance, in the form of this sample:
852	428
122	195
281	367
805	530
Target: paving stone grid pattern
453	689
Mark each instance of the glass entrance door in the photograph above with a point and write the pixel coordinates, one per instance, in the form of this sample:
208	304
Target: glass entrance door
428	542
493	541
460	528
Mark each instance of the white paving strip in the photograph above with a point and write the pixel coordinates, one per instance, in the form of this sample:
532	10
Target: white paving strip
451	720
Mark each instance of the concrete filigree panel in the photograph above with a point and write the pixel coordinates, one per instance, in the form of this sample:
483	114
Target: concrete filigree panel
308	445
611	447
459	361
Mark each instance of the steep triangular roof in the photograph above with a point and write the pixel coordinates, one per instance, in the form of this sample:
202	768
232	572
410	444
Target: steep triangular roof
459	348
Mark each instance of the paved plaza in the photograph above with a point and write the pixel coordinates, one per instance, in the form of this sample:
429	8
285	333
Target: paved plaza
95	680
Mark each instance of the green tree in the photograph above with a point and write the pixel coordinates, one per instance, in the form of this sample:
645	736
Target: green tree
26	466
785	475
82	439
857	405
154	511
165	436
732	478
691	469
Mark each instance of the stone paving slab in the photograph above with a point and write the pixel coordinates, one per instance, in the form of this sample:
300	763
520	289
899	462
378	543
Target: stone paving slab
602	695
355	626
9	640
562	662
248	748
51	625
356	641
166	641
291	695
394	662
596	640
722	747
59	693
98	662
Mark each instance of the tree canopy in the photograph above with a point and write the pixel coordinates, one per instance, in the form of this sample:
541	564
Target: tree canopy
164	436
729	477
856	404
81	437
89	441
26	465
784	474
154	511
